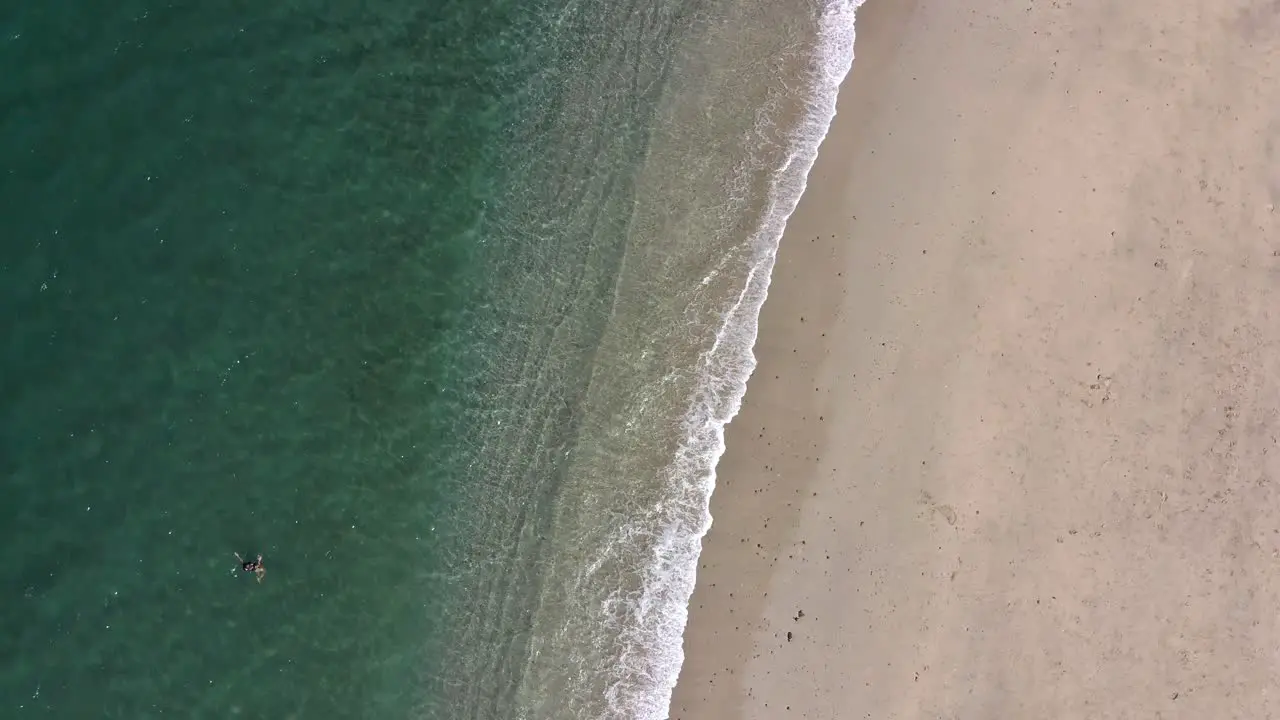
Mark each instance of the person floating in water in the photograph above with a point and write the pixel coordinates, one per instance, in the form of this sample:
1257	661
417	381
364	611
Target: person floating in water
253	566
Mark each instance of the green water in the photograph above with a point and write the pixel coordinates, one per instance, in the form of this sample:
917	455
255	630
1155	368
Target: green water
246	289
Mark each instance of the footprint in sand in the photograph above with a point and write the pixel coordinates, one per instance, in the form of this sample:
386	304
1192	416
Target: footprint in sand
946	511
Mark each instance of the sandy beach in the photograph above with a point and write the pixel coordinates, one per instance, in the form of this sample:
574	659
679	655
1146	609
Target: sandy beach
1010	450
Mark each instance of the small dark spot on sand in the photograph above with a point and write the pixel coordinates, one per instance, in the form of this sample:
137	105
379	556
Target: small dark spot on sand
788	637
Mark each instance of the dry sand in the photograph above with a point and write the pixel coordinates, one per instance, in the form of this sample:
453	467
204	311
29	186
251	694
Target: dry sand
1011	447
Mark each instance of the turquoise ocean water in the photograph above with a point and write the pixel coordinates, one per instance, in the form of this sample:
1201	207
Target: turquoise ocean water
440	306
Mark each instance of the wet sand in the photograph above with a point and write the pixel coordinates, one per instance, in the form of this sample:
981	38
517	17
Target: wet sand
1011	447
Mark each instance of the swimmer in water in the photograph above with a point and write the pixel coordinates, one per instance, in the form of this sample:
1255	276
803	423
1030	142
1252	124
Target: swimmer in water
253	566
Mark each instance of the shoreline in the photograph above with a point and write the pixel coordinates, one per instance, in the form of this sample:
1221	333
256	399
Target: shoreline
710	682
1009	442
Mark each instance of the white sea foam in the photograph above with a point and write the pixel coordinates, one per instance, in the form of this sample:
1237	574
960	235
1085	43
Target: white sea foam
651	643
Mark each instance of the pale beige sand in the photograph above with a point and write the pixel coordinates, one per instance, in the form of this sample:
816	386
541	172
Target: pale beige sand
1012	443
